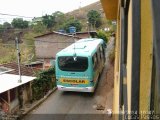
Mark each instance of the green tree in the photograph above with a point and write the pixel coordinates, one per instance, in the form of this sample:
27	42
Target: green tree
6	25
19	23
3	27
39	27
94	18
1	30
25	24
48	21
101	34
72	22
60	18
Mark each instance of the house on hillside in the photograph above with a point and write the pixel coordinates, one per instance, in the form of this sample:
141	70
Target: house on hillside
47	45
13	93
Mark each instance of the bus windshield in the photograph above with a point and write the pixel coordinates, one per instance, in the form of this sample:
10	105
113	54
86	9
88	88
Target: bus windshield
68	63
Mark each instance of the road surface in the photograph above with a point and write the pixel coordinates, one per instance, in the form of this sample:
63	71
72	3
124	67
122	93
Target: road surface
77	105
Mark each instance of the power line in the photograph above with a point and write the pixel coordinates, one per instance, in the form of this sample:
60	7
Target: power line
41	41
15	15
13	44
5	18
31	45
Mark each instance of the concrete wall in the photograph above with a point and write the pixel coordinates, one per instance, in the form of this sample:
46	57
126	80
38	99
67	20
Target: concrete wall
48	63
116	71
146	55
129	57
47	46
14	105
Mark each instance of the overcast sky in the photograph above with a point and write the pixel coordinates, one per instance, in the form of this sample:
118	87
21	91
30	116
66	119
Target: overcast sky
36	8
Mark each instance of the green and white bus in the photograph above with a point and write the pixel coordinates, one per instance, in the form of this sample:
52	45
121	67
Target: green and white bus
78	67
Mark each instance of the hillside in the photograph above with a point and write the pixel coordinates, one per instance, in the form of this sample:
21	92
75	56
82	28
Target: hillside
81	13
7	44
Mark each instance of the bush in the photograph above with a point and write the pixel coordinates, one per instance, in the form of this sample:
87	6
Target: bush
39	28
43	83
101	34
72	22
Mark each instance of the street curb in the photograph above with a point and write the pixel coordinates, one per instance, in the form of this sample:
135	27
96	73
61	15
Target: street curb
38	102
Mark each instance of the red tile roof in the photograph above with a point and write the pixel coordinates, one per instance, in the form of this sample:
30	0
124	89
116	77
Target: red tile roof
26	71
59	33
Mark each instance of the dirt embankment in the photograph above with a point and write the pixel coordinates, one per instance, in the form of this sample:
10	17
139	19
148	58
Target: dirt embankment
110	76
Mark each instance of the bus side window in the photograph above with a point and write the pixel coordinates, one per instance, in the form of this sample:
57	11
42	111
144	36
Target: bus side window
98	56
94	60
101	51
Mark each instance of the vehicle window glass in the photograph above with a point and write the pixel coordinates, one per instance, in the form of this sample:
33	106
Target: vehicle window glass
95	61
100	53
100	48
68	63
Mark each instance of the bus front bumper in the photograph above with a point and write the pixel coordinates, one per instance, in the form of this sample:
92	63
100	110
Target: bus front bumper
76	89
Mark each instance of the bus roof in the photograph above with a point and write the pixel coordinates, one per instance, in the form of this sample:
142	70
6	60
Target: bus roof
83	47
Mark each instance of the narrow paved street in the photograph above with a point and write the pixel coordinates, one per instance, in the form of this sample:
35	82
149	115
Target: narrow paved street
76	105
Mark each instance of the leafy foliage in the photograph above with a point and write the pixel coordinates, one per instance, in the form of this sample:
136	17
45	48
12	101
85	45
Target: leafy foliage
44	82
60	18
39	28
72	22
8	53
48	21
101	34
6	25
94	18
1	30
19	23
28	49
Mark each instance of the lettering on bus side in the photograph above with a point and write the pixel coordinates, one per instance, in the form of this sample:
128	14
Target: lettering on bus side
74	81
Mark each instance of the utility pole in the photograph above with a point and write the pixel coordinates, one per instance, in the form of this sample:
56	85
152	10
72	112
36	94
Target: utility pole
18	58
88	29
